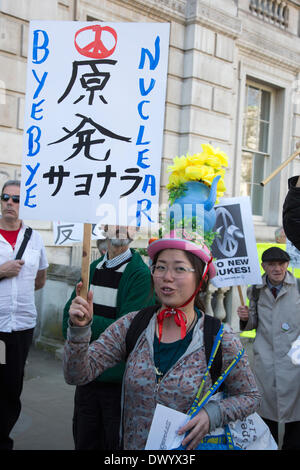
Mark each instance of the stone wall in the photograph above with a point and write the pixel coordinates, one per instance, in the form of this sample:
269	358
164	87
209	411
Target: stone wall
50	302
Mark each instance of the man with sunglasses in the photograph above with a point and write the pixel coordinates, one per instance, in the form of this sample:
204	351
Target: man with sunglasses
19	278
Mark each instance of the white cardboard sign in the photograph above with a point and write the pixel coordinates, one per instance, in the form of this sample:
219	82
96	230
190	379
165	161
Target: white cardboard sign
68	233
94	118
234	248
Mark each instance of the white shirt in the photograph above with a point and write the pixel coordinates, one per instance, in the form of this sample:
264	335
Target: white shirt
17	301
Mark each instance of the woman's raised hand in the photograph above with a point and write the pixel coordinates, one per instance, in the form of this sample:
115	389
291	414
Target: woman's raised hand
81	310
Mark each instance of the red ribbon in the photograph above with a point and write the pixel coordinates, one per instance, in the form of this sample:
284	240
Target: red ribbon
179	316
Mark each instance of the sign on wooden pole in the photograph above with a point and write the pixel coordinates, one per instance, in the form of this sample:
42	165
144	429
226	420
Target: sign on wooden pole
93	125
86	260
94	120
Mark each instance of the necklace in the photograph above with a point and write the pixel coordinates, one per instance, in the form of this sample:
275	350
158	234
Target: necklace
159	374
192	322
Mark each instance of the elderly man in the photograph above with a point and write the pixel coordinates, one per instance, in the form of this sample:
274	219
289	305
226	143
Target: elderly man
19	279
120	282
274	311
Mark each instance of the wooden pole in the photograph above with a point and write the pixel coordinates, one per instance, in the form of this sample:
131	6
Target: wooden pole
86	260
241	295
285	163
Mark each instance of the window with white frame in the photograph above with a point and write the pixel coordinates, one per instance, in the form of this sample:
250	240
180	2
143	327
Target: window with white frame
255	145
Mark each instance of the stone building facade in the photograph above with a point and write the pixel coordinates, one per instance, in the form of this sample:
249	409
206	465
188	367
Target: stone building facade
233	81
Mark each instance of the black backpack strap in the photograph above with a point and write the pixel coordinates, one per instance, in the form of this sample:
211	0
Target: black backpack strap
26	238
138	325
27	235
210	331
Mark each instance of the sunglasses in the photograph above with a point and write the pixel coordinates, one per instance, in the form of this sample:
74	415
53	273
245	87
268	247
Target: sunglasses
7	197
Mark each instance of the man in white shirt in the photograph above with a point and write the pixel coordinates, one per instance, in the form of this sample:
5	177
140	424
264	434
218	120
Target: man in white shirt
19	278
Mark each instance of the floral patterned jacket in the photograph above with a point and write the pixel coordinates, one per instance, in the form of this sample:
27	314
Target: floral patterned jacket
141	392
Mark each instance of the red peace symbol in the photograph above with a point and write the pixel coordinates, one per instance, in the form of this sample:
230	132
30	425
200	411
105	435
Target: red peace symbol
96	48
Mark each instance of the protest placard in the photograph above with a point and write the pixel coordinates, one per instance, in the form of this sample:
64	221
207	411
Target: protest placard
68	233
234	248
94	118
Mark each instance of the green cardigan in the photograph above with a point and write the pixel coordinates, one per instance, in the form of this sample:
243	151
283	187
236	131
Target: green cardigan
134	293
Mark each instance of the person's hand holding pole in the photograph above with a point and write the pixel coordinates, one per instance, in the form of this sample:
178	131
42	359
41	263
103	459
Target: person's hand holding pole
243	312
81	310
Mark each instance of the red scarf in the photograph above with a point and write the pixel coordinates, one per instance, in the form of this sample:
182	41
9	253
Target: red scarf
179	316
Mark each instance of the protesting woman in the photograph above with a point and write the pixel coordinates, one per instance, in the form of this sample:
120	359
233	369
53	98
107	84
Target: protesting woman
168	362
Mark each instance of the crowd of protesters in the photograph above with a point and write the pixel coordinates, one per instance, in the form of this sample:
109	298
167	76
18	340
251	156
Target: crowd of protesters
160	308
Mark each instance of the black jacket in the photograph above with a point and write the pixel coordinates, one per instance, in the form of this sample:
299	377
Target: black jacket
291	213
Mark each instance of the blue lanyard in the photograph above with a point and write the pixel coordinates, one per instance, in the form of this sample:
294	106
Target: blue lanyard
197	405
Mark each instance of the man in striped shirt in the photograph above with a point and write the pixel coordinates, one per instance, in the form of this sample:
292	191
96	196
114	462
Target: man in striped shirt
121	282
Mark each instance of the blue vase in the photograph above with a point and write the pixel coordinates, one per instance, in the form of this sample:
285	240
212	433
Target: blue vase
198	201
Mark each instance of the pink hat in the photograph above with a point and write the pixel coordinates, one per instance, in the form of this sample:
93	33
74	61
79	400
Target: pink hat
199	250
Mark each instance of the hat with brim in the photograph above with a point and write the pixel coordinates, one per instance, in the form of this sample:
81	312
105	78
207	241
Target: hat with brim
201	251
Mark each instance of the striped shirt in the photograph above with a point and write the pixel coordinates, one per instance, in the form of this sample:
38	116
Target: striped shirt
105	284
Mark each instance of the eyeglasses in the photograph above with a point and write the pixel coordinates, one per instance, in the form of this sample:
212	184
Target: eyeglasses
7	197
159	270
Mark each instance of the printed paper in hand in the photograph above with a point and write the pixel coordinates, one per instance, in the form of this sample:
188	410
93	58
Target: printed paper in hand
163	432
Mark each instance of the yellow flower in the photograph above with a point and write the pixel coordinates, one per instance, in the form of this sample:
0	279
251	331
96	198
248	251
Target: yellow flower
219	171
212	160
198	172
180	163
221	186
207	148
204	166
196	159
221	156
175	179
